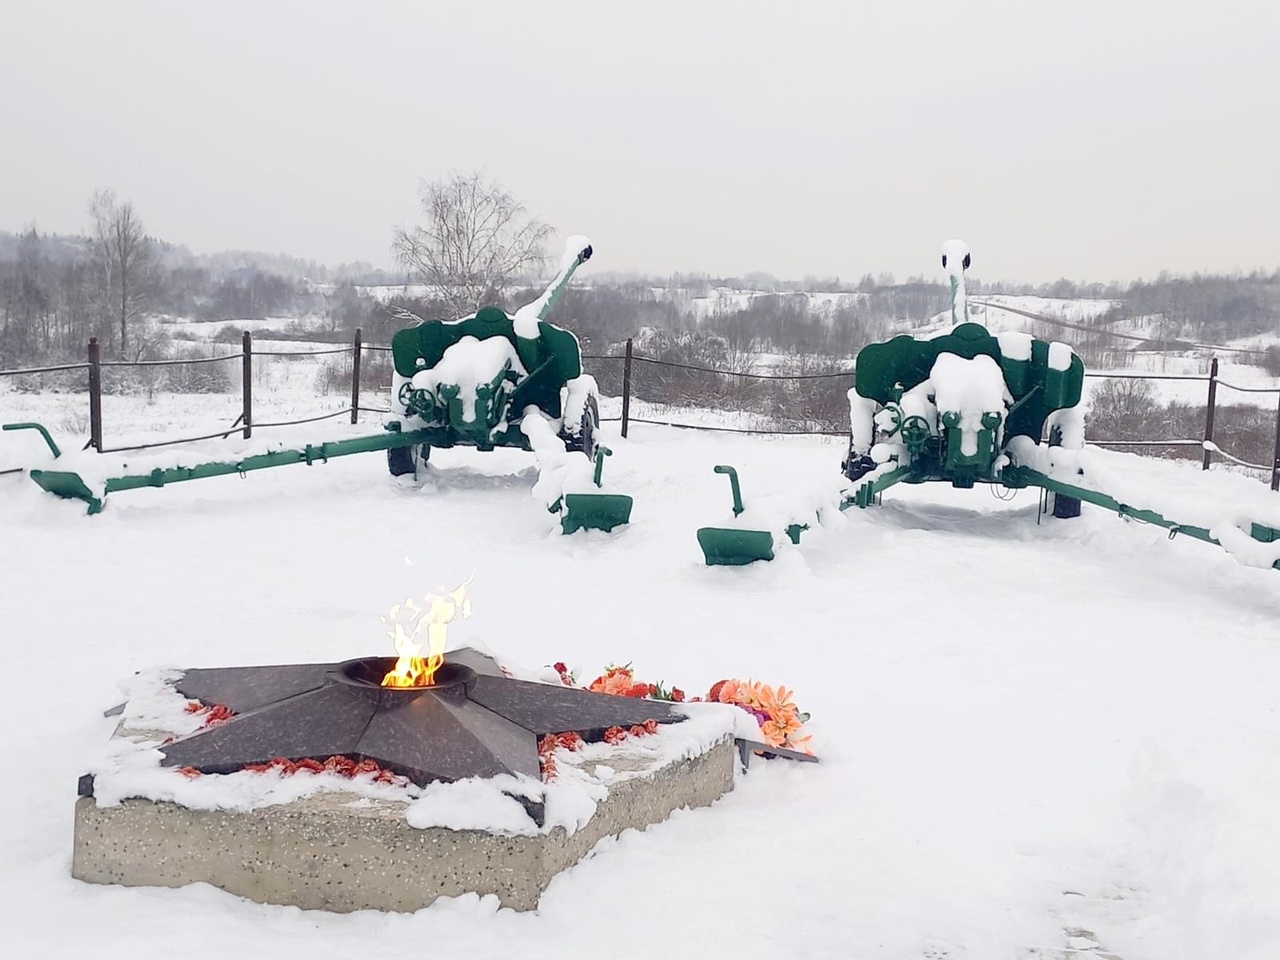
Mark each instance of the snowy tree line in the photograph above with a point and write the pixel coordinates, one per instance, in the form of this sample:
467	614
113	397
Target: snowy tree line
57	291
476	244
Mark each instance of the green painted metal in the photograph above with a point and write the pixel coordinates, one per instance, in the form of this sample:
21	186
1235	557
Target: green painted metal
1026	476
39	428
593	511
70	485
722	546
490	417
734	487
1264	534
1020	477
728	546
865	494
601	452
551	359
955	287
884	371
486	418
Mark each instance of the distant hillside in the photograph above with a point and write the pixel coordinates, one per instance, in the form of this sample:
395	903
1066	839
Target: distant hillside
51	301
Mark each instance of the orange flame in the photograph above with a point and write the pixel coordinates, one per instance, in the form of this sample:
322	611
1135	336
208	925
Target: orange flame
417	663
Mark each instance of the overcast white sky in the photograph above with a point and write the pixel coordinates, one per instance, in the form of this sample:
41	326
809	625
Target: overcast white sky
1094	139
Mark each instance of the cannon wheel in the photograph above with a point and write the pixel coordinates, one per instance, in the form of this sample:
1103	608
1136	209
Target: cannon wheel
403	461
915	433
856	465
585	439
1064	507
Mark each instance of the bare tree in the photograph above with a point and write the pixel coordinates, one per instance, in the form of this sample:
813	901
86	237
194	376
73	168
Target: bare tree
476	238
124	260
25	297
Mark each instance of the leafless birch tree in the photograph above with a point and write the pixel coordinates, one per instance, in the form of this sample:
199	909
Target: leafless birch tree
475	239
123	258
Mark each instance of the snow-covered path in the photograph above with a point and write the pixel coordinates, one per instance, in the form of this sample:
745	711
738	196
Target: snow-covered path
1025	728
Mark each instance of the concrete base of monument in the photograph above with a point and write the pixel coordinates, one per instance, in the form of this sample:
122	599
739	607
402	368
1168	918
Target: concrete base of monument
336	851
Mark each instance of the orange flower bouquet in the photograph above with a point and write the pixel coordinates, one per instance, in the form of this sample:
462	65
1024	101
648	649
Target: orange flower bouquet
781	722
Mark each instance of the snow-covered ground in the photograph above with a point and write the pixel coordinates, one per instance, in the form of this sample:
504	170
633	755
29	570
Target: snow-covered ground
1073	311
1259	386
181	328
384	293
1026	728
1234	369
283	389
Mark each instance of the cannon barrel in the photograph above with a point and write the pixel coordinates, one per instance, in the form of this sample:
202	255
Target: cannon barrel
577	251
956	260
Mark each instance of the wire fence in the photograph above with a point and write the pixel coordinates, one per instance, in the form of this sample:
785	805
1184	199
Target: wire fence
784	404
1181	439
34	370
297	354
173	362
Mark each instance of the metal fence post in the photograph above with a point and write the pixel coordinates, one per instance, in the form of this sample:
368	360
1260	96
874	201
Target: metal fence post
247	377
626	388
1275	457
1213	400
355	376
95	394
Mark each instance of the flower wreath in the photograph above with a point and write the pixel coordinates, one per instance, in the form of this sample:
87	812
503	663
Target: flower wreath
781	722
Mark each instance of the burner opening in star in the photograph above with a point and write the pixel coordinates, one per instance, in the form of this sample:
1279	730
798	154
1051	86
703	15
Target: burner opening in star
369	672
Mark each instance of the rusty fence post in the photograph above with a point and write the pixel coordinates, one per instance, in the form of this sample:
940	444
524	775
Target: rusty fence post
626	388
355	376
1275	457
95	394
1213	400
247	382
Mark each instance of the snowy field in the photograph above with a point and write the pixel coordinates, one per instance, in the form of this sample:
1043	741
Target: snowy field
1027	730
1236	369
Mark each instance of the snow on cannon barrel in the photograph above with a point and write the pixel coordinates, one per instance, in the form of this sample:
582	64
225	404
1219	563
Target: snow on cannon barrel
497	380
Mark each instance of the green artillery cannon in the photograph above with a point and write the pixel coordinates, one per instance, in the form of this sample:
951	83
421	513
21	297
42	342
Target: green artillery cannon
926	424
945	408
488	380
484	380
967	408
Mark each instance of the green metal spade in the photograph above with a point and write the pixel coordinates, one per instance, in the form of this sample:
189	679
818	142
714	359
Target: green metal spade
729	547
594	511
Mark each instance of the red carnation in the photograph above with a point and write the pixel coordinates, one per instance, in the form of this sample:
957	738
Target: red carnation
343	766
